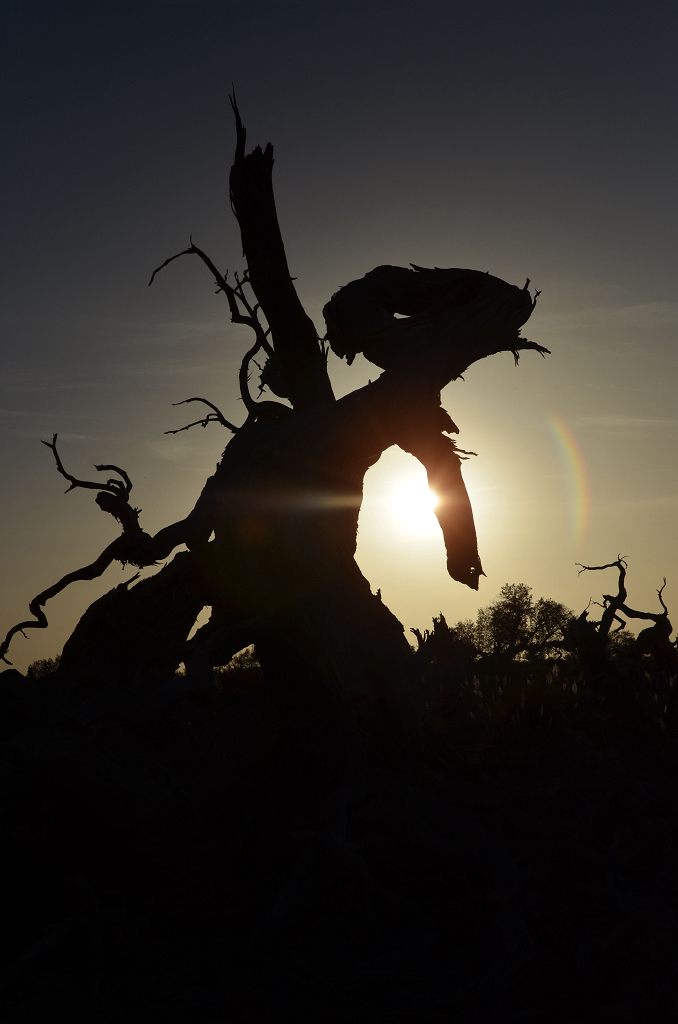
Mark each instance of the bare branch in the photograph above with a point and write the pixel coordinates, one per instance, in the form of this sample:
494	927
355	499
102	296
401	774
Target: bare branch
116	487
133	546
39	620
252	311
649	616
613	603
194	423
216	416
618	564
244	377
237	298
231	294
121	472
655	617
170	259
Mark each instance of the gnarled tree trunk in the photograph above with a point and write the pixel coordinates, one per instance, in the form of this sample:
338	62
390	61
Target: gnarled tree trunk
272	537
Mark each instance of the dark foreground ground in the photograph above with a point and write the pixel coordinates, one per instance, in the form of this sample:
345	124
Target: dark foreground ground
181	859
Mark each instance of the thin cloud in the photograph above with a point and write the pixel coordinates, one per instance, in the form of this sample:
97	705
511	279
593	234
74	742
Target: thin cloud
170	449
42	435
622	421
38	376
179	332
41	414
657	501
161	370
47	386
634	315
619	329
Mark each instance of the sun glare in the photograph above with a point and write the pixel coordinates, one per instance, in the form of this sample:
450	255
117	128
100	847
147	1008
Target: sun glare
411	504
398	502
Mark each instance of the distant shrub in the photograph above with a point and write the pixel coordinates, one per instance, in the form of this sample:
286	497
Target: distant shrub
245	659
242	670
43	667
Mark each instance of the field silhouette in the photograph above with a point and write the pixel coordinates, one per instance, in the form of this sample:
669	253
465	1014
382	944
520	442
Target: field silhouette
177	853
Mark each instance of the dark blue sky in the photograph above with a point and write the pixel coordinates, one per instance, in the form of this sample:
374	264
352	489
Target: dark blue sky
521	138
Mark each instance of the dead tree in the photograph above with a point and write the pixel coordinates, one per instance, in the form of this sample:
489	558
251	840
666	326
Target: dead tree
271	538
590	638
655	640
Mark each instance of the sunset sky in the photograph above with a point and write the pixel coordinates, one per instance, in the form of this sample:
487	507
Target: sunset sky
525	139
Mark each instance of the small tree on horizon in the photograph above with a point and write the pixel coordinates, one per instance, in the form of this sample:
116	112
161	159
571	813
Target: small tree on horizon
515	626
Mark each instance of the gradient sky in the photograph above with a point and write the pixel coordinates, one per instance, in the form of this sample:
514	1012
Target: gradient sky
520	138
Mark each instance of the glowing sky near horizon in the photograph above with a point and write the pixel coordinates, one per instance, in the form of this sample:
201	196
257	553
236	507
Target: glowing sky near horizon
515	138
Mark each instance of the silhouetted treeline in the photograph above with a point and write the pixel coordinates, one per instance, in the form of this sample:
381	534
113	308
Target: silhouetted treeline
525	658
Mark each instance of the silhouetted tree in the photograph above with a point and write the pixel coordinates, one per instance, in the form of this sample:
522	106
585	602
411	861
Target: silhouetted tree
271	538
517	626
592	639
42	667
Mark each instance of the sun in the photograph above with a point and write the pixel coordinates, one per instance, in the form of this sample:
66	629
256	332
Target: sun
399	508
411	505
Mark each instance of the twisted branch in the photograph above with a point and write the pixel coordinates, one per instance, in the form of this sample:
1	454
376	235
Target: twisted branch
119	488
238	302
655	617
133	546
39	620
620	563
222	284
613	603
216	416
